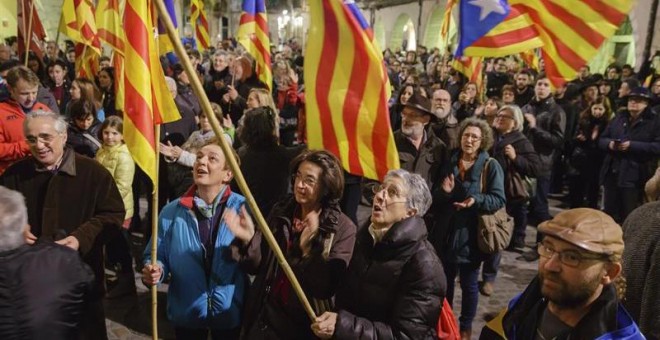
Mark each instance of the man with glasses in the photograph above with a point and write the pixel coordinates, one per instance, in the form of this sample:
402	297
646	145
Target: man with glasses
71	200
23	86
575	295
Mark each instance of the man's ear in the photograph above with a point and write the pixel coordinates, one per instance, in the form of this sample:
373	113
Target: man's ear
611	271
411	212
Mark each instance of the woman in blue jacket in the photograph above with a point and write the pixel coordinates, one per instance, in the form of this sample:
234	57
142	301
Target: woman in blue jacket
206	291
459	199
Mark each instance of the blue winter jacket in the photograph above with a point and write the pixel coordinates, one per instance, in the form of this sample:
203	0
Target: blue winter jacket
193	300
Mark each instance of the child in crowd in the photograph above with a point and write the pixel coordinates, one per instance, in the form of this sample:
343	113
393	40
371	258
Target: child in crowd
115	157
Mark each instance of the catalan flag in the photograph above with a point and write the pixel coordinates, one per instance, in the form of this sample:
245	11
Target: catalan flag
569	33
531	59
446	19
165	45
200	24
147	100
472	68
108	22
347	91
253	35
79	23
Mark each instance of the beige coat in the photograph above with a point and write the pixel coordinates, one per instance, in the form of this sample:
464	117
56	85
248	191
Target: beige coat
119	162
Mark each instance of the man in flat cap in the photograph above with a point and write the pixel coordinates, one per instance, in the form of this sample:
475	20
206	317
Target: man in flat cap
420	150
574	295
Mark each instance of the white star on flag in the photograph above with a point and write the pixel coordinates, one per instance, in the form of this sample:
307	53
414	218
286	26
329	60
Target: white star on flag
487	7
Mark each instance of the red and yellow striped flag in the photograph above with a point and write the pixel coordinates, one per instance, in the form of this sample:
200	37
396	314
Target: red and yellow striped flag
110	30
253	35
147	99
79	24
446	19
347	91
572	31
200	24
531	59
472	68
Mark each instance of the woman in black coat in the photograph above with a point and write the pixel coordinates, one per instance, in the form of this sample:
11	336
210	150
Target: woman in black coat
513	149
395	283
587	158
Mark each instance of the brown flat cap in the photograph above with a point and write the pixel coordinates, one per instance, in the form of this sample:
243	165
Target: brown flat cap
589	229
420	103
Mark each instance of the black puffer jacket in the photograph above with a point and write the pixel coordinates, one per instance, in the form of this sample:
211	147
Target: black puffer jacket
548	134
42	291
393	289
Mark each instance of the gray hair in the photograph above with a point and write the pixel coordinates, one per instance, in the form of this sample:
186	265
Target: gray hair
518	117
419	195
60	122
13	219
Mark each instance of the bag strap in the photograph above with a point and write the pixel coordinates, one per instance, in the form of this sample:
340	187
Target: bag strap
92	139
483	176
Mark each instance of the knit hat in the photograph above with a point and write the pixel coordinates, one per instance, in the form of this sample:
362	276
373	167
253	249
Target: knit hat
589	229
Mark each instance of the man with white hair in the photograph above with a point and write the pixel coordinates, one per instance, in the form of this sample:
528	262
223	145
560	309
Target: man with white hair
71	200
44	286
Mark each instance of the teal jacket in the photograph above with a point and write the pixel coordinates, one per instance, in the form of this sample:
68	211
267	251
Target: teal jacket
193	299
606	320
455	232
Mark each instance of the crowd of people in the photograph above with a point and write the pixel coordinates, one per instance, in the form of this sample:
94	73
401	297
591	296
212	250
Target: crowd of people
466	149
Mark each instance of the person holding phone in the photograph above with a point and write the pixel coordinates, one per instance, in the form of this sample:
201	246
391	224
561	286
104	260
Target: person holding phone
632	143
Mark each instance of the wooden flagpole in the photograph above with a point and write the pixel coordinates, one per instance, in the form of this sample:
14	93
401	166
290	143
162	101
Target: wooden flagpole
27	39
154	234
226	148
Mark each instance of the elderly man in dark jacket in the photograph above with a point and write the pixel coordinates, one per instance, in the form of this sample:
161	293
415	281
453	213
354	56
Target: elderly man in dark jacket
546	124
395	283
632	142
44	285
420	150
71	199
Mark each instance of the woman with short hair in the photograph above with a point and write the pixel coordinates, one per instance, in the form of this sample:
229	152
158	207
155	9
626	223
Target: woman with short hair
317	240
458	200
395	283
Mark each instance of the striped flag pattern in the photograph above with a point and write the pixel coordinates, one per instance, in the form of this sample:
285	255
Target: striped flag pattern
531	59
446	18
79	23
347	91
472	68
147	99
165	45
253	35
108	22
572	31
569	33
200	24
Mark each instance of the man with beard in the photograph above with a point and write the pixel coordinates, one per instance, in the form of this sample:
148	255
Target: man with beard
524	92
446	126
420	150
575	293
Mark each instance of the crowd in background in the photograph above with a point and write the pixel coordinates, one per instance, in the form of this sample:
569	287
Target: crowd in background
593	143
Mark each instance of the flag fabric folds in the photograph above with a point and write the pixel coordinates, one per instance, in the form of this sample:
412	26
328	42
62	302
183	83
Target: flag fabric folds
165	45
110	30
79	23
446	19
31	32
200	24
147	99
472	69
347	91
569	33
253	35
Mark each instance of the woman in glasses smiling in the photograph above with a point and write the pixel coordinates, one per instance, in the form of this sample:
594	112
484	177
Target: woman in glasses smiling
457	200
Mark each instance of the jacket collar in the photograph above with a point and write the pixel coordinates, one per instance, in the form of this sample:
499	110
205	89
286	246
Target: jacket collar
475	176
67	166
328	220
409	230
187	200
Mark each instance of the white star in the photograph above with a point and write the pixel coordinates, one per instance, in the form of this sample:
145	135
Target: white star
487	7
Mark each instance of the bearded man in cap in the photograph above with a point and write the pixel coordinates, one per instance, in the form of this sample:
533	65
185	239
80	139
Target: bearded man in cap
574	295
420	150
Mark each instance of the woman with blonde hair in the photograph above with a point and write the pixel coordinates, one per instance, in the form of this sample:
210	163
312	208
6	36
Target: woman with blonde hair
85	89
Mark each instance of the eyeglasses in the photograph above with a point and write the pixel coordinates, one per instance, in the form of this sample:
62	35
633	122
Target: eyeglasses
44	138
471	137
570	257
503	116
391	190
307	181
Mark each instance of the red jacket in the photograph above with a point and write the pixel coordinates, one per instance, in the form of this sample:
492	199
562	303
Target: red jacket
12	140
